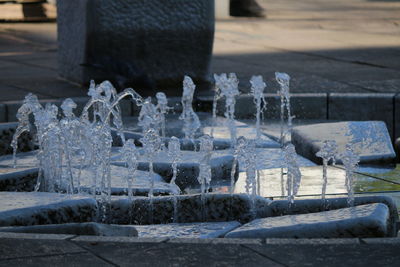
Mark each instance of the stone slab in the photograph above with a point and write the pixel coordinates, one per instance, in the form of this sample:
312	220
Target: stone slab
119	185
281	207
370	138
90	228
130	60
217	208
33	208
368	220
18	179
187	230
24	160
188	168
362	107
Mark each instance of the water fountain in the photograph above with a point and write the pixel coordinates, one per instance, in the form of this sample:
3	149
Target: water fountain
70	147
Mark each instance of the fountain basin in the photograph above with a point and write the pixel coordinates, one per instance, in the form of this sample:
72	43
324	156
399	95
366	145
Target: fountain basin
370	217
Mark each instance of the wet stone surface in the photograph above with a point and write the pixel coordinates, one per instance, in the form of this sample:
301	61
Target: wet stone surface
187	230
371	140
361	221
119	185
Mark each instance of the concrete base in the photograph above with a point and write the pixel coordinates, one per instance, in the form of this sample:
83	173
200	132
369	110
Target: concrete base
145	45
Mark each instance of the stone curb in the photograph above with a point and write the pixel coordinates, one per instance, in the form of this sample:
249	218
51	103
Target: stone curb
332	106
214	241
318	106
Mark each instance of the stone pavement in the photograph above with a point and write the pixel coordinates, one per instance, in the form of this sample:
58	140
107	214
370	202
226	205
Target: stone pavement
68	250
340	46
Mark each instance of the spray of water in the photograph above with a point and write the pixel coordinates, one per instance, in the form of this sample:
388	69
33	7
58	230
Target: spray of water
293	176
350	161
190	119
328	152
175	154
257	89
204	178
228	86
151	144
283	80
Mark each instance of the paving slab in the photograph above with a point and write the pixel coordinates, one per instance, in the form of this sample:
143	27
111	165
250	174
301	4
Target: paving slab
29	208
329	254
67	259
371	140
124	254
15	248
187	230
24	160
360	221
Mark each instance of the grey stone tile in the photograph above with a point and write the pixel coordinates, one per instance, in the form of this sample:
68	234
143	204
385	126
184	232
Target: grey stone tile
193	254
26	247
72	259
330	254
382	241
362	107
311	241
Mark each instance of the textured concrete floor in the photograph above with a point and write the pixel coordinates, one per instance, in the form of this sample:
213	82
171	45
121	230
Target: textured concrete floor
326	46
